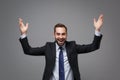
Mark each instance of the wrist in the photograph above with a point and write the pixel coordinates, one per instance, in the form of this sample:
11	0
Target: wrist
97	33
98	30
23	36
23	33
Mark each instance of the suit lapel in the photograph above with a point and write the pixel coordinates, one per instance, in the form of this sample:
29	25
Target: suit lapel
53	49
68	50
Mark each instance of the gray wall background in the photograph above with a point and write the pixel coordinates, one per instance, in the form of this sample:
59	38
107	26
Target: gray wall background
42	15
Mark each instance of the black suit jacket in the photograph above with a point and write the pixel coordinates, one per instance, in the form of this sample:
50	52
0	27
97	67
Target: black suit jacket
49	51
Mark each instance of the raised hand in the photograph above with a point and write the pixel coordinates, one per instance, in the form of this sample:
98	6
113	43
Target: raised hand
23	27
98	24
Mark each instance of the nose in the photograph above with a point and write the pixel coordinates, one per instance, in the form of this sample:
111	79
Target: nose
61	36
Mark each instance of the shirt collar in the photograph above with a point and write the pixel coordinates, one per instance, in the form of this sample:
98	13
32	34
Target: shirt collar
57	46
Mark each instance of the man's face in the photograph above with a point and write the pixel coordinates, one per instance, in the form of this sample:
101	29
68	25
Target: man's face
60	35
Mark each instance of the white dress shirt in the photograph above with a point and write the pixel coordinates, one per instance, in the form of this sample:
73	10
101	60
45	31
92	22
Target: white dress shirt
68	71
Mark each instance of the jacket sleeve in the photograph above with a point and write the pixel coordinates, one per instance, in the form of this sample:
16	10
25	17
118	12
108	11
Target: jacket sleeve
89	47
29	50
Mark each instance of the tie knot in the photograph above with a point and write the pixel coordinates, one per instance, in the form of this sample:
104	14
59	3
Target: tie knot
61	48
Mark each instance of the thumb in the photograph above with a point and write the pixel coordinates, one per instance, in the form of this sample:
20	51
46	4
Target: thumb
27	25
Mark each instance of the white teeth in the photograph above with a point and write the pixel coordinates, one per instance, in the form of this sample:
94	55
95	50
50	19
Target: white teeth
61	40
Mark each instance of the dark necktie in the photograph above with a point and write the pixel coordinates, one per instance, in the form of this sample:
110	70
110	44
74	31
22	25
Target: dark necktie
61	65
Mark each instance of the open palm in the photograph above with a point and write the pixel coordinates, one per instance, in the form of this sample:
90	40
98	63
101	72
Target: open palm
98	24
23	27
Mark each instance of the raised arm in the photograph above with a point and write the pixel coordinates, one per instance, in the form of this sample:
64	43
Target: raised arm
96	41
24	41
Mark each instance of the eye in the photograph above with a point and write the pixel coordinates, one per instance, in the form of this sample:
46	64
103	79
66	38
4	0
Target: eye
63	33
58	34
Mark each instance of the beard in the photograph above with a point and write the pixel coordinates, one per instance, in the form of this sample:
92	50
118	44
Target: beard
60	42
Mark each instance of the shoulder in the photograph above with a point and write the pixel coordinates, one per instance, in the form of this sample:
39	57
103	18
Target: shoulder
50	43
70	42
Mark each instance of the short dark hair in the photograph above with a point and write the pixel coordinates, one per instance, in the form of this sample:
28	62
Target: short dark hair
60	25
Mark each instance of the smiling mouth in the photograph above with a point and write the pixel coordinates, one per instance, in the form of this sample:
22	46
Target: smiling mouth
61	40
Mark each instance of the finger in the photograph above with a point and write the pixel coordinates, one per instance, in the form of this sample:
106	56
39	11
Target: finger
21	22
27	24
101	16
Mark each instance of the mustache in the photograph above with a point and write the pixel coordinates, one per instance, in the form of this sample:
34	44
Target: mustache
60	39
56	40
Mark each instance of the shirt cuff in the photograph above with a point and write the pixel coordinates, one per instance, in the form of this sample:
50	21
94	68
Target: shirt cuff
97	33
23	36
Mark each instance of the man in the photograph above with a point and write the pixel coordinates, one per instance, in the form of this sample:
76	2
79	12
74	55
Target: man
62	55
